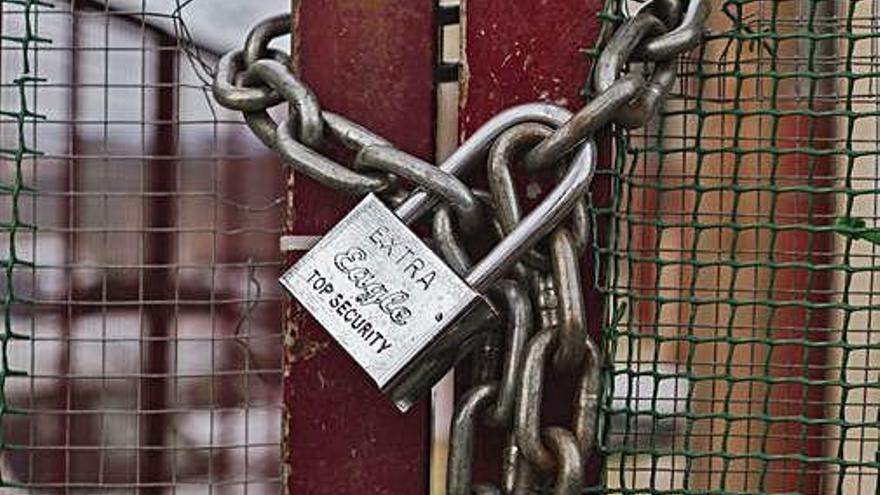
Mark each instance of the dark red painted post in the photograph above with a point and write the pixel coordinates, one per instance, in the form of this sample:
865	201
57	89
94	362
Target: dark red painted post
373	62
519	52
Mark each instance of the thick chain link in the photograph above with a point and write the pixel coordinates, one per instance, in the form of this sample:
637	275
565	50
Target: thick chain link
632	77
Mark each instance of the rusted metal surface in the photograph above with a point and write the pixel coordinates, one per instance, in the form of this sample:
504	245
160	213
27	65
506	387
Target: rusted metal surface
373	62
517	52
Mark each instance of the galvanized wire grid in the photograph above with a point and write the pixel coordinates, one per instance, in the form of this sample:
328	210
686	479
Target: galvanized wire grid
743	287
140	223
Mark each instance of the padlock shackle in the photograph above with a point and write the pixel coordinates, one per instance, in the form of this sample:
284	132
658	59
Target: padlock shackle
419	202
539	222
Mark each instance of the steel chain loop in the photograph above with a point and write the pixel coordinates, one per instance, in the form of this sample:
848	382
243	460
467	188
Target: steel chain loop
452	190
634	72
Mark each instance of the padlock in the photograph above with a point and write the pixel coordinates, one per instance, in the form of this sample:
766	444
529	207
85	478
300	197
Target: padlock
391	302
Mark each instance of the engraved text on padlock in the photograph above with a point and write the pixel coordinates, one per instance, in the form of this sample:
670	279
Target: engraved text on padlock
378	290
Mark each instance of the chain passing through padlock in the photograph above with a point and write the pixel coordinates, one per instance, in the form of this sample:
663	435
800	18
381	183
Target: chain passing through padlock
407	309
395	306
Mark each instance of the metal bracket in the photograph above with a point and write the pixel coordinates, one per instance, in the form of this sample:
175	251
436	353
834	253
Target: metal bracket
294	243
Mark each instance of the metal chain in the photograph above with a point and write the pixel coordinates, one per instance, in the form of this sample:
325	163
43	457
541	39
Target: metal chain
632	76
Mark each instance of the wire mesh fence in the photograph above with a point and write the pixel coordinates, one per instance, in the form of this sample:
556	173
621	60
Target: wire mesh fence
139	231
140	222
743	274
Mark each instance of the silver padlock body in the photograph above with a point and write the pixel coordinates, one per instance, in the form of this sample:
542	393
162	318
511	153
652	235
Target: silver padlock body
380	292
445	351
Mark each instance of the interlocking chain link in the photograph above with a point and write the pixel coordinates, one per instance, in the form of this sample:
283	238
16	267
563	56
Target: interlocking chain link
543	323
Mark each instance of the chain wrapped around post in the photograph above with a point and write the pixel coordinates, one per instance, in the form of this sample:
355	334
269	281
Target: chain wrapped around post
537	287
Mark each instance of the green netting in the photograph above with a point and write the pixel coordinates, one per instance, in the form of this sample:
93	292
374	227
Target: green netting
741	251
743	265
139	249
22	18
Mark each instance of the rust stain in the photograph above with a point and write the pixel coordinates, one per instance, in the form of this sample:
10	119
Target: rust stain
285	448
297	347
290	326
296	39
464	77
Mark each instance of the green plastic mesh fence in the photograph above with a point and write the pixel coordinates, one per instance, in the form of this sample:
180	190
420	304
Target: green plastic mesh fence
13	186
743	258
743	255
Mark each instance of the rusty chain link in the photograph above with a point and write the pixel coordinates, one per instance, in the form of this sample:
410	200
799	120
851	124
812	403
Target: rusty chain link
632	76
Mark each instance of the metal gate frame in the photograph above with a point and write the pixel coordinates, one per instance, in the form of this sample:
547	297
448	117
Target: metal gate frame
375	62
